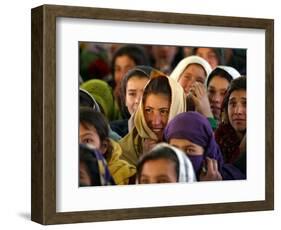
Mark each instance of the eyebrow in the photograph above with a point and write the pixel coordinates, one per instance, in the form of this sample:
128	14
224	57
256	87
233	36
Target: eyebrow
87	133
149	107
234	98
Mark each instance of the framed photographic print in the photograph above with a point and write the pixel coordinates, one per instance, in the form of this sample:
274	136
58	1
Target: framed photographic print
58	32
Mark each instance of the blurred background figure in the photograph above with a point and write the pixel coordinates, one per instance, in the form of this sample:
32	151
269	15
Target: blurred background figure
187	51
214	56
164	58
236	58
93	62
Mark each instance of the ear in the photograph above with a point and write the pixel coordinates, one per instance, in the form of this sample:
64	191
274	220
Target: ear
104	146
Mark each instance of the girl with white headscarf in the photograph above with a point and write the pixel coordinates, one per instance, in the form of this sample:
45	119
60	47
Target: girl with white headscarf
165	164
191	73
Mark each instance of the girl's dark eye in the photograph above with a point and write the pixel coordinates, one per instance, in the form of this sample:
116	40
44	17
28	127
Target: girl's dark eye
164	112
87	141
148	110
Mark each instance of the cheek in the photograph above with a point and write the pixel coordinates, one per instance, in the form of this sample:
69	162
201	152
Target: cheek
229	112
185	83
117	76
221	99
164	121
129	103
96	142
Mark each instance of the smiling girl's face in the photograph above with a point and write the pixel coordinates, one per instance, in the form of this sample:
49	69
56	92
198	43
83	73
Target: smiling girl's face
156	112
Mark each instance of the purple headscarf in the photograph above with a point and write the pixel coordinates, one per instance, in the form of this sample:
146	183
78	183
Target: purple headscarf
196	128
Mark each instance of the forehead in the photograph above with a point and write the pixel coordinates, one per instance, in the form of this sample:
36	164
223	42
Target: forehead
123	59
87	128
180	141
158	166
194	67
205	50
137	80
217	80
241	93
157	100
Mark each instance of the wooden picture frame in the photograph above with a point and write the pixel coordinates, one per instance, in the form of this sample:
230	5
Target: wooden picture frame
43	207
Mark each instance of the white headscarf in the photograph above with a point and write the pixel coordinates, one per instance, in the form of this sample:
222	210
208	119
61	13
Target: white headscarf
184	63
230	70
186	171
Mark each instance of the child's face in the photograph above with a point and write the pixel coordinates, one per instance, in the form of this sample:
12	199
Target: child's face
158	171
89	136
237	110
156	112
134	92
187	146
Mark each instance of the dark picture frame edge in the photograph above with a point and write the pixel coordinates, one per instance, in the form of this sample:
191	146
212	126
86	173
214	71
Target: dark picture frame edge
43	110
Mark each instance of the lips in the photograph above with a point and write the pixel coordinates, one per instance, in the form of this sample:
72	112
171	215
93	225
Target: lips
157	130
215	107
239	120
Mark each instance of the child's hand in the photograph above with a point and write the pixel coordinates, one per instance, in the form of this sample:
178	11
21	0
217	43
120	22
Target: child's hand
212	173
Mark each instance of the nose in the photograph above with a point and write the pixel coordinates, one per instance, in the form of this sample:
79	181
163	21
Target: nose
156	118
238	109
138	99
187	86
215	97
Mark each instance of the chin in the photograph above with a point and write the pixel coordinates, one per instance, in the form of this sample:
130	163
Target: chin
240	129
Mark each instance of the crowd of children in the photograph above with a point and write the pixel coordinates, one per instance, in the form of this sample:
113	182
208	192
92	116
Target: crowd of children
161	114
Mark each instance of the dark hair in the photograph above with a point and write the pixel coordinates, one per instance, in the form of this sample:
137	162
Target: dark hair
86	100
86	156
219	72
98	121
134	52
237	84
138	71
158	85
158	153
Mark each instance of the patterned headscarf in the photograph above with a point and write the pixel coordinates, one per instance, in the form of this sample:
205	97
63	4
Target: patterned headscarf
96	164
